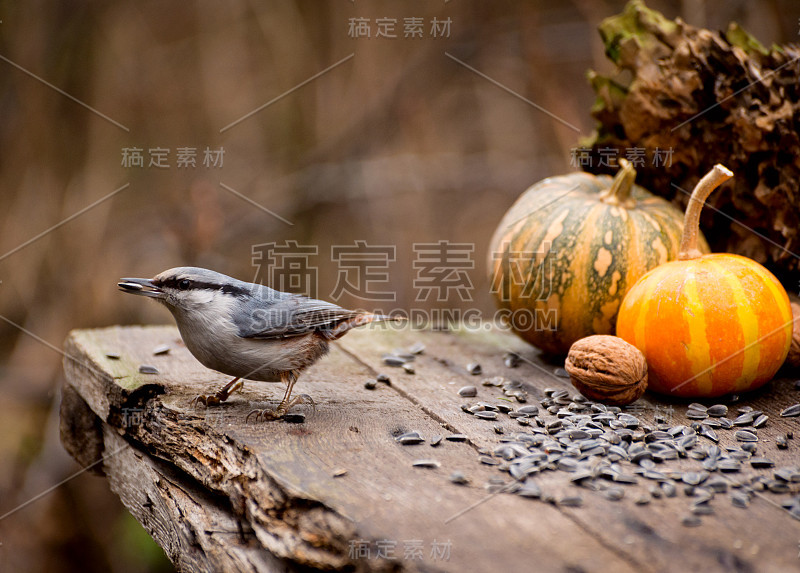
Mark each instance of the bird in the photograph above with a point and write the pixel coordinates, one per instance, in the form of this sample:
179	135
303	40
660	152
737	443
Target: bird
248	330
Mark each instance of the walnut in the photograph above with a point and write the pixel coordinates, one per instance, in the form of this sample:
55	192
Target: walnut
793	359
607	369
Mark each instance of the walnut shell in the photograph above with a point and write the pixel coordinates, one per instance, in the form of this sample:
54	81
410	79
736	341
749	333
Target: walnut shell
607	369
793	358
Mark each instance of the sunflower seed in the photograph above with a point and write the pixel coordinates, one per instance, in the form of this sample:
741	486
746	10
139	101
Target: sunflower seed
416	348
294	418
383	378
147	369
740	499
488	461
707	432
781	441
694	478
718	410
468	391
370	384
669	489
691	521
614	493
458	478
761	463
474	368
340	472
643	499
511	359
409	368
749	447
788	474
486	415
776	486
745	436
410	439
391	360
498	429
529	410
717	485
456	438
425	463
760	421
113	355
696	415
561	373
729	465
530	489
697	406
791	411
436	440
744	419
702	509
571	501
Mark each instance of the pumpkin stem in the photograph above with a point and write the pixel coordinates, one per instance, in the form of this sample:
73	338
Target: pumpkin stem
620	191
691	223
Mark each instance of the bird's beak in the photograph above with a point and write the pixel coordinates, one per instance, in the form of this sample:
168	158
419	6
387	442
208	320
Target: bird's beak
144	287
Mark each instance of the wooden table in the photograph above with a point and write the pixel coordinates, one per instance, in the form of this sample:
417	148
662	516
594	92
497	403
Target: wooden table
339	492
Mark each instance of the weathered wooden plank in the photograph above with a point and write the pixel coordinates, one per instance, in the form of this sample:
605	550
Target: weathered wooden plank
650	535
279	478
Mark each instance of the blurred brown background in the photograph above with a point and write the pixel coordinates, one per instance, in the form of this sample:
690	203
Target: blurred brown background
400	144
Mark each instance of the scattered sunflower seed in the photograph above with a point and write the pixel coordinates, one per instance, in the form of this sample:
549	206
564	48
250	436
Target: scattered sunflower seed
511	359
436	440
498	429
384	378
456	438
339	472
745	436
163	349
614	493
643	499
760	421
294	418
561	373
459	478
468	391
781	441
571	501
718	410
409	368
791	411
113	355
147	369
761	463
416	348
530	489
740	499
370	384
426	463
486	415
489	461
691	521
474	368
410	439
391	360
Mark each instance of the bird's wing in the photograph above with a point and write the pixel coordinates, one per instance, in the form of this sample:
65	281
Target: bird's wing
290	316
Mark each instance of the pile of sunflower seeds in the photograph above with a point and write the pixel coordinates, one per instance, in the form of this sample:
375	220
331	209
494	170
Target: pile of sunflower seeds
611	451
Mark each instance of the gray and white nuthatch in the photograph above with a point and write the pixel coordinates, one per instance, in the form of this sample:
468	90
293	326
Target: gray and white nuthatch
248	330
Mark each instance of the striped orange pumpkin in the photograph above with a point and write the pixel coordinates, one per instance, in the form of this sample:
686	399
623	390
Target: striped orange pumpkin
567	251
708	325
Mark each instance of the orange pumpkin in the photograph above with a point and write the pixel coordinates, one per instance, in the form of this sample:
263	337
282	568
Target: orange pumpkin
708	324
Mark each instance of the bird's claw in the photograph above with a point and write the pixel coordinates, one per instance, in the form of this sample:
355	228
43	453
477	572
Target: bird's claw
282	409
205	399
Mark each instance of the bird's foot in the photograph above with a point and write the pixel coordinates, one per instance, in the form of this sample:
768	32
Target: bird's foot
218	397
282	409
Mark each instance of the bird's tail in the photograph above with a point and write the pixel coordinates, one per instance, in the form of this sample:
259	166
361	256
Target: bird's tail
360	320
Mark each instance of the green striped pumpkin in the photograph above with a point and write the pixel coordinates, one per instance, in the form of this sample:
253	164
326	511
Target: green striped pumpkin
569	249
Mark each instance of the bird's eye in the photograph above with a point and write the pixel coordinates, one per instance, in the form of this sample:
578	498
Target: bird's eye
184	284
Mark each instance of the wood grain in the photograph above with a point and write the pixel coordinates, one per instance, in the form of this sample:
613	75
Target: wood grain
274	483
